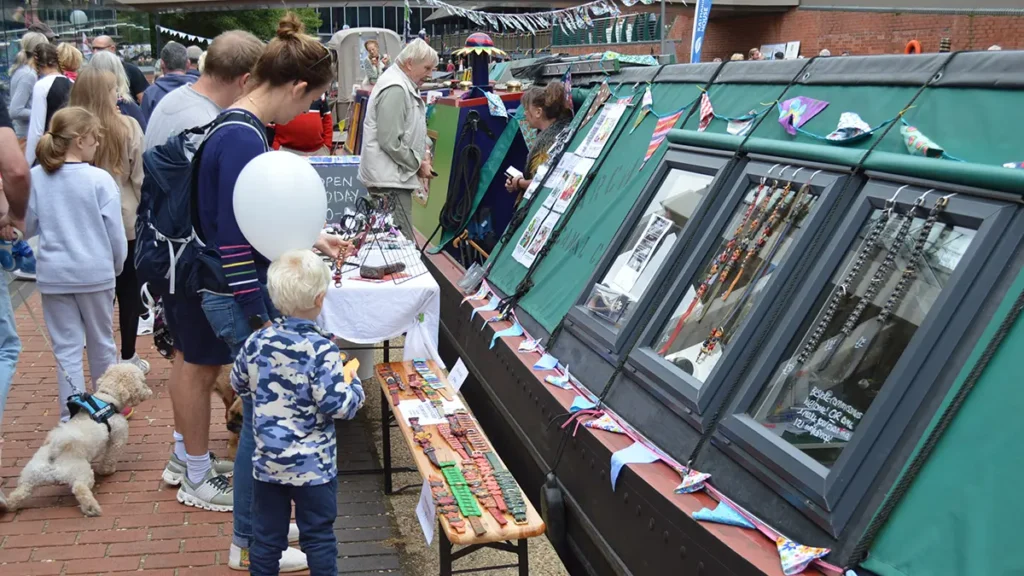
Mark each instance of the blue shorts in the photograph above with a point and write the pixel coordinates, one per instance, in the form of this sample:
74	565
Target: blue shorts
208	329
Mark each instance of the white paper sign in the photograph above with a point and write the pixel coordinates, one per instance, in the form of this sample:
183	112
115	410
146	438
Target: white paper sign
426	412
458	375
427	512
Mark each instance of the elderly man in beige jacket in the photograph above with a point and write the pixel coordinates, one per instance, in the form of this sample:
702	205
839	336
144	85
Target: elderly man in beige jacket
395	130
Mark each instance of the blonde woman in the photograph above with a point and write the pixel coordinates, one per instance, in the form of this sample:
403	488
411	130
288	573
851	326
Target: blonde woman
109	61
23	78
70	60
120	155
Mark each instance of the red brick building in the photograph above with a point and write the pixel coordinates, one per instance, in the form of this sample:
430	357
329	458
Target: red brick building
869	27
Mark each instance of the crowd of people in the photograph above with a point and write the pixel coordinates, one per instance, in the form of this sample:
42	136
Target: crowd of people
71	161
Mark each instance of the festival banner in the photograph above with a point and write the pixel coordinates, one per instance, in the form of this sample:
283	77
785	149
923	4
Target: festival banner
700	24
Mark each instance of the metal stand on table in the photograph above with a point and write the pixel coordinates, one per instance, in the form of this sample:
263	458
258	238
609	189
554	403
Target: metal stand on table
448	555
386	420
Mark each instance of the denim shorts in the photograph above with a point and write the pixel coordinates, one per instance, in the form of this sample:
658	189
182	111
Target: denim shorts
209	329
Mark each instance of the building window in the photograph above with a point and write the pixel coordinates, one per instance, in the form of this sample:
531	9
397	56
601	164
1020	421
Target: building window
377	16
702	332
647	246
392	18
364	16
352	17
865	335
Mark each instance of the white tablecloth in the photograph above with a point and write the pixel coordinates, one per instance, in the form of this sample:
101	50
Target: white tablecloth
370	312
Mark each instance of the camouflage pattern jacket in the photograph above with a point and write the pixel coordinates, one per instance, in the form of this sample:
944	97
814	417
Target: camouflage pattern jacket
293	372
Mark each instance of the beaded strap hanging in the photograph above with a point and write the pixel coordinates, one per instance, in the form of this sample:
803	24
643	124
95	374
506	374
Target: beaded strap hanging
716	264
794	208
849	282
878	280
867	334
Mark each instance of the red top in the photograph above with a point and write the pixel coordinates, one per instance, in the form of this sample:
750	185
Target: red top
307	132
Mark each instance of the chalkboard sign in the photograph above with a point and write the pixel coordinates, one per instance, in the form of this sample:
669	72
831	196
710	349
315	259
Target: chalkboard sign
340	175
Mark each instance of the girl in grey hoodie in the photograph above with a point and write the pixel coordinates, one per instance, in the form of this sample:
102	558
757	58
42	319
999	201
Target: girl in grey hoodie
75	208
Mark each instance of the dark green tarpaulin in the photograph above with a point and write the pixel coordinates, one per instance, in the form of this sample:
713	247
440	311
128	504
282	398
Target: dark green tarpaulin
961	516
606	199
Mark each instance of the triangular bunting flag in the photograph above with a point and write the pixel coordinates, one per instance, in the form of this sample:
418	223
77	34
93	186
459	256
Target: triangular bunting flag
660	131
723	514
492	305
581	403
918	143
546	362
692	482
795	557
606	423
645	106
602	96
707	113
514	330
560	381
795	112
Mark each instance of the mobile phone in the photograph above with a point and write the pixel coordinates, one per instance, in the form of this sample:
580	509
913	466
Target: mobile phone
513	172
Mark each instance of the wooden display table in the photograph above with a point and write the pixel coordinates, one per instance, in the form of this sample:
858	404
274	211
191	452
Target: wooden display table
495	535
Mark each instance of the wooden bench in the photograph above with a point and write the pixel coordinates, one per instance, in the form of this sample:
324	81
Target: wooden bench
494	534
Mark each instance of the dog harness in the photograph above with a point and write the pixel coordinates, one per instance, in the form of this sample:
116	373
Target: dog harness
97	409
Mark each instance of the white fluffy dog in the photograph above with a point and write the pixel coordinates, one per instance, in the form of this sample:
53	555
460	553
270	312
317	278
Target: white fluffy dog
74	447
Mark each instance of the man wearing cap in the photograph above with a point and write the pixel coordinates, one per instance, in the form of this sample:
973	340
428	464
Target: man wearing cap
137	82
194	54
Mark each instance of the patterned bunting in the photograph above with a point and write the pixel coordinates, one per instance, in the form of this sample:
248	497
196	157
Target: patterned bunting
693	481
707	113
645	106
660	131
918	143
602	96
795	557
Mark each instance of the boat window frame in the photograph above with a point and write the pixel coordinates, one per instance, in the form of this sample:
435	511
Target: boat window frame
723	170
829	496
680	392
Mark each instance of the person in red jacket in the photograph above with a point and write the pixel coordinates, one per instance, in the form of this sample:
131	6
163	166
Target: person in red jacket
310	133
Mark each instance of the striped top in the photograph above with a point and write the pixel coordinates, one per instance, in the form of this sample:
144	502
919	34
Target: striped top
225	154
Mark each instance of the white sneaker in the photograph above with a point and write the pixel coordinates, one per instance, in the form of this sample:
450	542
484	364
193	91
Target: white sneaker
292	559
145	325
293	530
138	362
24	275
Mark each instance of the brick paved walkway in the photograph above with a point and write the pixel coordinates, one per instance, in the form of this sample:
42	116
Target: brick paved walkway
143	529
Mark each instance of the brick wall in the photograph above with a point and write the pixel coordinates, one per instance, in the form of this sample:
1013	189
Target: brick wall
859	32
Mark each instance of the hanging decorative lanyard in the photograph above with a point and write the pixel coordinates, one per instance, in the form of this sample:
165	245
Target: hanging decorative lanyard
878	280
794	208
847	285
716	265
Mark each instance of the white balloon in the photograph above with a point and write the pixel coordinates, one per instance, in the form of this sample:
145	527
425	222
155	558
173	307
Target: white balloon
280	203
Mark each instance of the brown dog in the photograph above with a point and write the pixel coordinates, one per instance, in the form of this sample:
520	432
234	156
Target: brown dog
232	409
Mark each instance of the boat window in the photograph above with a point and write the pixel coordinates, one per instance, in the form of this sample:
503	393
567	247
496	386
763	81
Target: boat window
614	299
861	324
731	279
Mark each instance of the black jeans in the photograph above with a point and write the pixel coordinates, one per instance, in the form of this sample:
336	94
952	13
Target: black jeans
129	303
316	508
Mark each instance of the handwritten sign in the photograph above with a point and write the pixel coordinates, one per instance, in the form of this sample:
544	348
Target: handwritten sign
340	175
426	512
458	375
826	417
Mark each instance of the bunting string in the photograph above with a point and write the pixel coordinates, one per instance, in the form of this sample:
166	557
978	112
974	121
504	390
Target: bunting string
183	35
569	20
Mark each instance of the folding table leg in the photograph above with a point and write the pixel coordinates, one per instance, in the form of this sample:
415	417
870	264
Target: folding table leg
385	436
445	547
524	558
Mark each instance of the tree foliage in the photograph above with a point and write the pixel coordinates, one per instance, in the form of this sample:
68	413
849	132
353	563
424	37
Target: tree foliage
262	23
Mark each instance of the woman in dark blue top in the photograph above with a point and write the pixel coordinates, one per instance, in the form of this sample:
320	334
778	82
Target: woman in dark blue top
211	327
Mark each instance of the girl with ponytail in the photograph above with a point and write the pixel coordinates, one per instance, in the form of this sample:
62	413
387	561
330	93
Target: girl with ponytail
49	94
75	208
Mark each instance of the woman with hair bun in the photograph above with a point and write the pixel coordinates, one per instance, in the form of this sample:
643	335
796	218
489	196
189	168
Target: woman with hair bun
50	93
211	326
70	60
544	109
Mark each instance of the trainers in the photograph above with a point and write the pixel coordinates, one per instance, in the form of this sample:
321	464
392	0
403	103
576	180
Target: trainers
213	493
292	559
138	363
293	530
176	468
24	259
22	275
